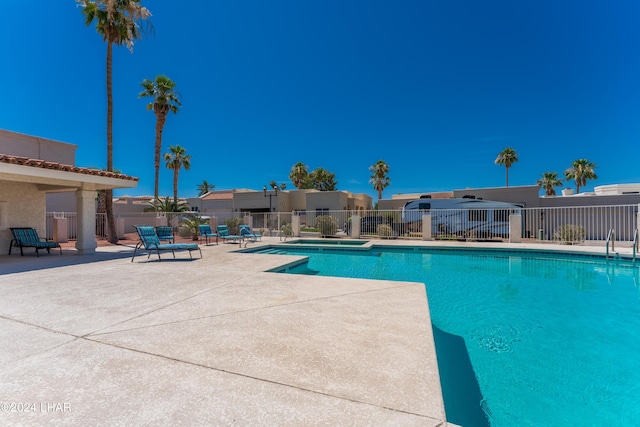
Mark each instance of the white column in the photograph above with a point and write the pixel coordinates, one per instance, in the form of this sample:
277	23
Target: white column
515	228
355	226
426	227
295	224
86	208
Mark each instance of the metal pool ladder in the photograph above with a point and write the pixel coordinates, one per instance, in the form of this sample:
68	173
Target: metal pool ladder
635	244
611	237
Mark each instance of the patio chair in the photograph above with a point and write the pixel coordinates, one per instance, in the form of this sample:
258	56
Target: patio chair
26	237
245	231
149	240
223	233
205	231
165	233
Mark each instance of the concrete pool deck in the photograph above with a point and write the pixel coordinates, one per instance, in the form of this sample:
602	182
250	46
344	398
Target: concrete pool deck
99	340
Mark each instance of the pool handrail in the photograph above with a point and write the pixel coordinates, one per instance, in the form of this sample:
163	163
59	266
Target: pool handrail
611	237
635	244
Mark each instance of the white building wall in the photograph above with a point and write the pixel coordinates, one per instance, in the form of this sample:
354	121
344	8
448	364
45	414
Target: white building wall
24	206
33	147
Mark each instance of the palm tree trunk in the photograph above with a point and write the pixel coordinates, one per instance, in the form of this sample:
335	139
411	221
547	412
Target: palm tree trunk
175	186
113	235
161	118
507	168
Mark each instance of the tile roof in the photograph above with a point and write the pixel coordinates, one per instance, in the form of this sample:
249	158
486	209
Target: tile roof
218	196
36	163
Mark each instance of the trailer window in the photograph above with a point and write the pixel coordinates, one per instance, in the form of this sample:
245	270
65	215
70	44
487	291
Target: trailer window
477	215
424	206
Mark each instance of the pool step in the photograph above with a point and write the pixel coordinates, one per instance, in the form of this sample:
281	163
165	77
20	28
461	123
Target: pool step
273	251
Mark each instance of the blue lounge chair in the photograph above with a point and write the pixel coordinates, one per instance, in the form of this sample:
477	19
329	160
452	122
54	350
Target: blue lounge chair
26	237
223	233
165	233
245	231
205	231
149	240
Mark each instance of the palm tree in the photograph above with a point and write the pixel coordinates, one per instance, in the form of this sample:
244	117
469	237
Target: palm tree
176	160
166	205
548	182
298	175
580	171
118	22
322	180
379	177
205	187
507	157
165	100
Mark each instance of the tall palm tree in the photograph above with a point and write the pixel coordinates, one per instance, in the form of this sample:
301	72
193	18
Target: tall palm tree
548	182
176	160
164	100
580	171
298	175
507	157
118	22
205	187
322	180
379	177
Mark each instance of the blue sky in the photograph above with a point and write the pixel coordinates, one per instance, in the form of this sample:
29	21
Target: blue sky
435	88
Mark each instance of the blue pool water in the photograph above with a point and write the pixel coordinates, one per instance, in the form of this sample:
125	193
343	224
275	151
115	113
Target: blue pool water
522	340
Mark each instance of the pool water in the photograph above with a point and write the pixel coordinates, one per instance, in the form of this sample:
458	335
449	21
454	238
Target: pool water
521	340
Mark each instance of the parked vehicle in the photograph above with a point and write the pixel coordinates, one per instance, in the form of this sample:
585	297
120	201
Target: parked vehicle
461	216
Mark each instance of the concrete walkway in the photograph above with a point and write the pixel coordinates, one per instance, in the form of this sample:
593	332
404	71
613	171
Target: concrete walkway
99	340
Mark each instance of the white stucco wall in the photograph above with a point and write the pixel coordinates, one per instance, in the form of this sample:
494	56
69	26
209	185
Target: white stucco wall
33	147
25	207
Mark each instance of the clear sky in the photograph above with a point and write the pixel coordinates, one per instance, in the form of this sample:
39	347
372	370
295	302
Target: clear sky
435	88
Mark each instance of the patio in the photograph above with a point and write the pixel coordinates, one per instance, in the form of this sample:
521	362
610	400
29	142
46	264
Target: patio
99	340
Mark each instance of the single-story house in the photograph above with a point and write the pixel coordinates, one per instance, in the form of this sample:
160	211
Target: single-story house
32	167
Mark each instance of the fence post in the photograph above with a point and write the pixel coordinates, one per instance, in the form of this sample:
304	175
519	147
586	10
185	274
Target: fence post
355	226
295	224
426	227
60	230
515	228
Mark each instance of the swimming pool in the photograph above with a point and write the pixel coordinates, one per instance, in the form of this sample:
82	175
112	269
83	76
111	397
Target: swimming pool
522	339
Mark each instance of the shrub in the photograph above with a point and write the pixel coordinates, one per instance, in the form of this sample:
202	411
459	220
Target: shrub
570	234
233	224
327	225
384	230
286	230
189	226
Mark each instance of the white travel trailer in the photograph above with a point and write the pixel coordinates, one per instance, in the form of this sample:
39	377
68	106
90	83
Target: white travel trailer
461	216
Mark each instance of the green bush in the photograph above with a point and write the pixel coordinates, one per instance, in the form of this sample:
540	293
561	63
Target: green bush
570	234
286	230
384	230
233	224
327	225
